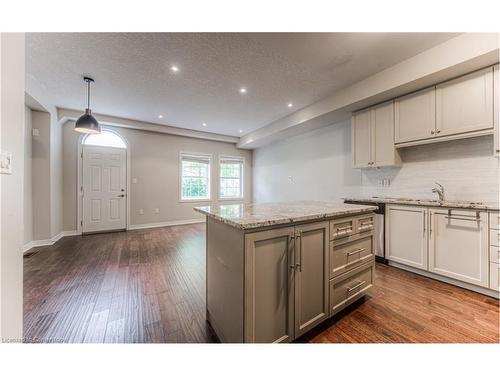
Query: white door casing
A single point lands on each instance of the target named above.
(104, 183)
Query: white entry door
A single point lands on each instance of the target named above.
(104, 189)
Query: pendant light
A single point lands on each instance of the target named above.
(88, 123)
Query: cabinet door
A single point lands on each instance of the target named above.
(458, 245)
(269, 292)
(415, 116)
(496, 107)
(465, 104)
(406, 235)
(361, 139)
(311, 276)
(383, 151)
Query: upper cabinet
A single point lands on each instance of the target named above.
(465, 104)
(415, 116)
(373, 137)
(458, 108)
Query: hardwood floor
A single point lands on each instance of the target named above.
(149, 286)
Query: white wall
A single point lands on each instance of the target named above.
(12, 81)
(155, 164)
(319, 163)
(28, 191)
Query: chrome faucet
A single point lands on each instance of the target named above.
(439, 190)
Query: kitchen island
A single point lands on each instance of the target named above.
(276, 270)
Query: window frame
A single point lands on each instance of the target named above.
(209, 175)
(107, 130)
(242, 178)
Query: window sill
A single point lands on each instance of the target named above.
(232, 198)
(195, 200)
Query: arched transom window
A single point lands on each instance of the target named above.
(105, 138)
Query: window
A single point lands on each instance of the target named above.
(231, 178)
(105, 138)
(195, 177)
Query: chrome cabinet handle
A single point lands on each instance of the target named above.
(292, 255)
(299, 249)
(360, 283)
(423, 222)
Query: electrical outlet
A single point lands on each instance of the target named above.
(141, 211)
(290, 179)
(157, 210)
(134, 180)
(35, 132)
(5, 162)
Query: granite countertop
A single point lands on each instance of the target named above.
(429, 202)
(257, 215)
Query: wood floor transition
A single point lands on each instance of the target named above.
(148, 286)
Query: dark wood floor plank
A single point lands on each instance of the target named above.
(149, 286)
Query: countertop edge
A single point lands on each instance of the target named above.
(275, 222)
(417, 202)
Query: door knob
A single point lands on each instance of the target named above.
(121, 196)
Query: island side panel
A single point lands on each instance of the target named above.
(224, 283)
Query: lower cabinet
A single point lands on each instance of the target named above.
(311, 275)
(286, 282)
(350, 286)
(450, 242)
(458, 245)
(406, 235)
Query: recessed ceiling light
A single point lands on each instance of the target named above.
(241, 131)
(174, 68)
(160, 116)
(290, 105)
(243, 90)
(204, 124)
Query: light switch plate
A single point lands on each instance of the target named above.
(5, 162)
(36, 132)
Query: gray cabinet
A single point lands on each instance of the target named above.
(373, 137)
(311, 275)
(286, 282)
(269, 286)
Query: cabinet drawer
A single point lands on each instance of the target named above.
(495, 254)
(494, 276)
(350, 254)
(342, 227)
(495, 237)
(495, 220)
(349, 287)
(365, 223)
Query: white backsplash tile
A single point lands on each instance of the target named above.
(466, 168)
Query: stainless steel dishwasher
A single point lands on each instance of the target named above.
(379, 227)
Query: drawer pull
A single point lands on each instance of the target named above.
(357, 251)
(365, 227)
(359, 284)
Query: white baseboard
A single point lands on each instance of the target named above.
(57, 237)
(474, 288)
(165, 224)
(51, 241)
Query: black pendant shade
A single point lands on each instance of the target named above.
(88, 123)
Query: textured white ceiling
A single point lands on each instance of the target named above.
(134, 80)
